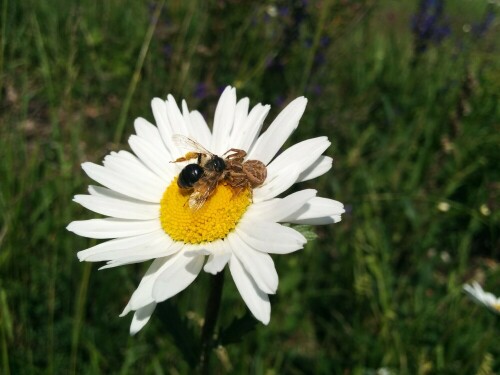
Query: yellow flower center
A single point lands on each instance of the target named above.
(214, 220)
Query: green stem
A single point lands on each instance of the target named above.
(211, 313)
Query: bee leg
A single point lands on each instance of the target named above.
(188, 156)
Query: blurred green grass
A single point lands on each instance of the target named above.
(381, 289)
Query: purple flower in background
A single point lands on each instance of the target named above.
(481, 28)
(316, 90)
(325, 41)
(167, 50)
(269, 61)
(279, 101)
(201, 90)
(429, 24)
(298, 13)
(151, 10)
(283, 11)
(348, 209)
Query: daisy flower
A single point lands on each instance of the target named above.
(479, 296)
(149, 217)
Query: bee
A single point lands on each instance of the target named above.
(209, 170)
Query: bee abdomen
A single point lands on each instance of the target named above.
(189, 175)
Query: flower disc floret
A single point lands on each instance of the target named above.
(214, 220)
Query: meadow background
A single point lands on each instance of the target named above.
(407, 91)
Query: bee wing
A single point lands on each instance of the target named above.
(203, 189)
(189, 144)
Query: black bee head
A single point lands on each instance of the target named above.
(189, 175)
(216, 164)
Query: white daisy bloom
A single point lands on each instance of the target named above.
(479, 296)
(149, 217)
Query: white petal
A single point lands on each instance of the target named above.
(318, 168)
(177, 265)
(126, 310)
(196, 130)
(223, 121)
(119, 206)
(259, 265)
(143, 295)
(200, 130)
(100, 191)
(325, 220)
(154, 160)
(164, 127)
(145, 129)
(175, 278)
(194, 250)
(121, 160)
(114, 249)
(298, 157)
(256, 300)
(115, 159)
(138, 255)
(317, 211)
(475, 292)
(240, 114)
(123, 184)
(220, 252)
(113, 228)
(480, 296)
(159, 108)
(207, 248)
(216, 263)
(278, 209)
(153, 252)
(186, 117)
(149, 132)
(274, 187)
(175, 117)
(141, 317)
(128, 165)
(285, 170)
(278, 132)
(269, 237)
(246, 134)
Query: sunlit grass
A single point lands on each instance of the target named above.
(380, 289)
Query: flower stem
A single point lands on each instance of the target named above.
(211, 313)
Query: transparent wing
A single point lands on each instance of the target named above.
(203, 189)
(189, 144)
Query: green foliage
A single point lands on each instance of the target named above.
(181, 331)
(415, 146)
(237, 329)
(307, 231)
